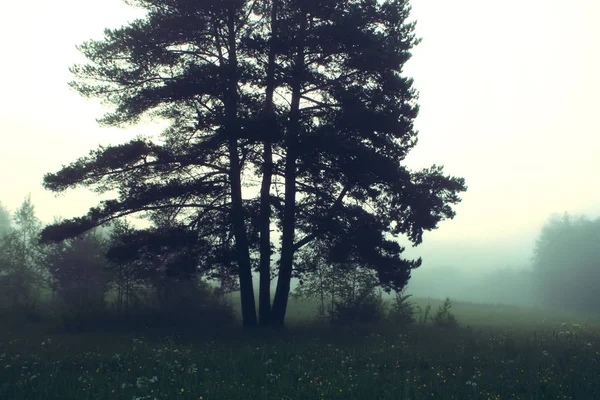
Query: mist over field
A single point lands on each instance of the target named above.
(299, 200)
(510, 149)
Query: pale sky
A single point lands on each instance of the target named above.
(510, 98)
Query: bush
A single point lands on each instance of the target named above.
(424, 317)
(182, 306)
(367, 311)
(402, 311)
(443, 317)
(191, 304)
(82, 315)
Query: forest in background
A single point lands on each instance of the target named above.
(80, 285)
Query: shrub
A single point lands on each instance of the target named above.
(77, 322)
(367, 311)
(402, 311)
(443, 317)
(193, 304)
(182, 306)
(423, 317)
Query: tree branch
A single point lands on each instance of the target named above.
(309, 238)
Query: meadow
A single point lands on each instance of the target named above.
(497, 352)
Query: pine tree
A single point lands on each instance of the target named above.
(307, 97)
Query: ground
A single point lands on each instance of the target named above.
(497, 353)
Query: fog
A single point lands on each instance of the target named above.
(509, 93)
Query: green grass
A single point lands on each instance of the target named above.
(493, 359)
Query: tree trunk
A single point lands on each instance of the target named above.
(237, 208)
(321, 292)
(264, 306)
(289, 218)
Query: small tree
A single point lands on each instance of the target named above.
(317, 280)
(403, 310)
(443, 317)
(424, 315)
(17, 281)
(22, 264)
(127, 276)
(346, 292)
(5, 223)
(79, 267)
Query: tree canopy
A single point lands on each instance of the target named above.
(292, 116)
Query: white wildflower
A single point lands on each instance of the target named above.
(272, 377)
(192, 369)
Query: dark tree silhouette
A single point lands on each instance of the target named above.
(79, 267)
(307, 96)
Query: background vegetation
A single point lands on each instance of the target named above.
(77, 325)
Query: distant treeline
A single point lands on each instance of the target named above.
(564, 273)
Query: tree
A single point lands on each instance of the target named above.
(22, 268)
(126, 275)
(345, 292)
(316, 106)
(5, 230)
(566, 267)
(28, 228)
(5, 224)
(79, 267)
(318, 279)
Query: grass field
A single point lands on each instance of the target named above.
(498, 353)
